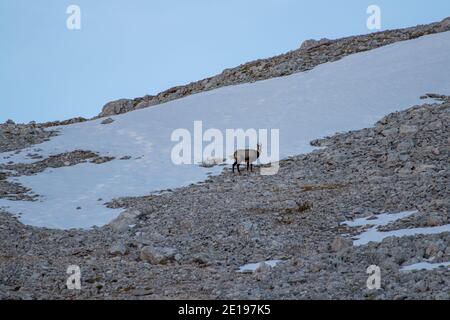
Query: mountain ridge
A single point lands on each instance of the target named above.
(305, 58)
(310, 54)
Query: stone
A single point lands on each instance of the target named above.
(107, 121)
(445, 24)
(407, 129)
(308, 44)
(389, 132)
(435, 151)
(431, 250)
(143, 104)
(403, 157)
(434, 126)
(263, 267)
(118, 249)
(433, 222)
(200, 259)
(158, 255)
(339, 244)
(425, 168)
(405, 145)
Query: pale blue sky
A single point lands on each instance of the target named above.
(129, 48)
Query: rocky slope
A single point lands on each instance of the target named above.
(310, 54)
(190, 242)
(17, 136)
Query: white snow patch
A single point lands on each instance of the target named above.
(425, 266)
(212, 162)
(252, 267)
(374, 235)
(379, 220)
(349, 94)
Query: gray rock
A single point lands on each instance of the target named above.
(308, 44)
(339, 244)
(431, 250)
(263, 267)
(107, 121)
(155, 255)
(118, 249)
(445, 25)
(124, 220)
(407, 129)
(389, 132)
(201, 259)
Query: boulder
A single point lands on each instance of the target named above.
(431, 250)
(263, 267)
(118, 249)
(339, 244)
(405, 129)
(155, 255)
(124, 220)
(107, 121)
(445, 24)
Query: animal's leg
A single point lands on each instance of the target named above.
(238, 168)
(248, 165)
(251, 167)
(234, 164)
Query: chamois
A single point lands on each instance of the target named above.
(246, 155)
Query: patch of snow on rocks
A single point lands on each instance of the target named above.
(260, 266)
(374, 235)
(425, 266)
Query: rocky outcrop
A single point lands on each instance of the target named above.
(444, 25)
(158, 255)
(310, 54)
(124, 220)
(16, 136)
(309, 44)
(62, 123)
(14, 191)
(118, 107)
